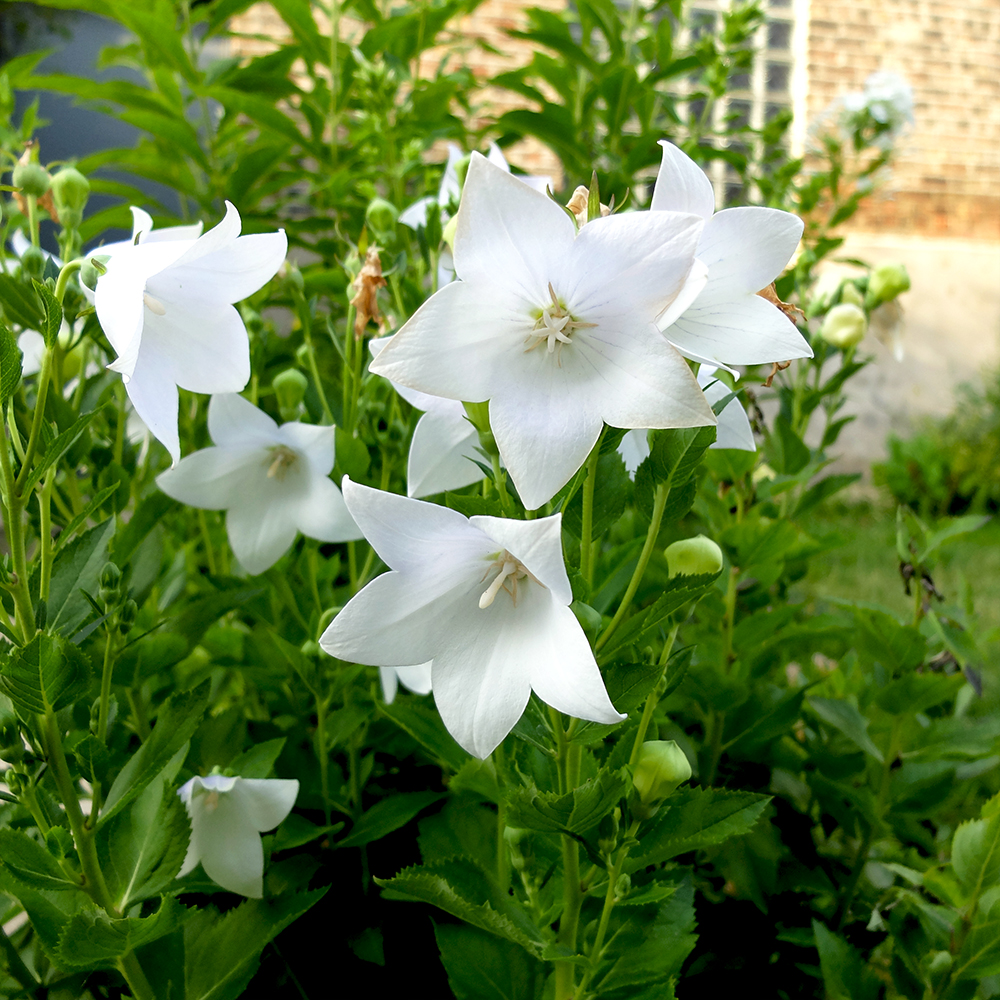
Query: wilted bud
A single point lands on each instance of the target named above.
(849, 293)
(70, 191)
(33, 263)
(289, 389)
(127, 616)
(662, 766)
(579, 204)
(366, 286)
(886, 282)
(111, 577)
(845, 326)
(381, 215)
(693, 557)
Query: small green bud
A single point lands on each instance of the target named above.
(289, 389)
(693, 557)
(519, 844)
(33, 263)
(662, 766)
(302, 355)
(110, 578)
(886, 282)
(381, 215)
(849, 293)
(607, 832)
(311, 649)
(845, 326)
(14, 781)
(31, 178)
(70, 191)
(127, 616)
(623, 885)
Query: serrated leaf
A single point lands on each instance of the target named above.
(460, 887)
(845, 975)
(45, 675)
(221, 953)
(55, 451)
(844, 716)
(31, 863)
(52, 314)
(20, 306)
(390, 814)
(93, 757)
(176, 721)
(425, 726)
(575, 812)
(975, 854)
(76, 571)
(695, 818)
(10, 365)
(93, 940)
(481, 966)
(92, 507)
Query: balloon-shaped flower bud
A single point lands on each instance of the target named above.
(849, 293)
(845, 326)
(693, 557)
(111, 577)
(127, 616)
(886, 282)
(31, 177)
(381, 215)
(662, 766)
(70, 191)
(33, 262)
(290, 389)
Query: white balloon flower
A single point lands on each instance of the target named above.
(272, 481)
(228, 815)
(744, 249)
(486, 600)
(166, 306)
(557, 329)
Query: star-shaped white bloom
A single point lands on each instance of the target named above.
(744, 249)
(733, 429)
(556, 329)
(228, 815)
(166, 306)
(272, 481)
(486, 600)
(443, 449)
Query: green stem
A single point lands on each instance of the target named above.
(32, 218)
(730, 618)
(323, 754)
(23, 613)
(207, 541)
(568, 762)
(653, 698)
(129, 967)
(45, 536)
(64, 275)
(36, 422)
(15, 434)
(314, 371)
(106, 673)
(659, 503)
(500, 481)
(717, 724)
(587, 530)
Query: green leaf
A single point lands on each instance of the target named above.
(258, 761)
(695, 818)
(844, 716)
(45, 675)
(460, 887)
(352, 454)
(20, 306)
(93, 940)
(55, 451)
(52, 314)
(611, 492)
(575, 812)
(980, 955)
(878, 636)
(473, 505)
(77, 570)
(786, 451)
(483, 967)
(148, 514)
(95, 504)
(176, 721)
(221, 953)
(142, 848)
(31, 863)
(975, 854)
(390, 814)
(914, 693)
(93, 757)
(10, 365)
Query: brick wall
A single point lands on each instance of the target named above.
(947, 179)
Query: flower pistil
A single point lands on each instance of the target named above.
(510, 572)
(555, 326)
(283, 459)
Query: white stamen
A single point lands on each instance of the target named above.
(155, 306)
(212, 801)
(510, 566)
(284, 459)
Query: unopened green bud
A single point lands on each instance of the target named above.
(662, 766)
(31, 178)
(849, 293)
(111, 577)
(845, 326)
(127, 616)
(693, 557)
(310, 648)
(290, 389)
(70, 191)
(381, 215)
(33, 263)
(623, 885)
(886, 282)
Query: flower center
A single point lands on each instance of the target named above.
(510, 571)
(154, 305)
(554, 326)
(211, 801)
(282, 459)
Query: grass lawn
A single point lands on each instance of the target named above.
(866, 568)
